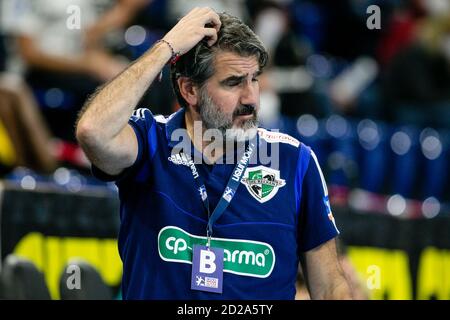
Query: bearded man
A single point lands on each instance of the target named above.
(195, 225)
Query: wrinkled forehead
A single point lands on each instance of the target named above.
(228, 63)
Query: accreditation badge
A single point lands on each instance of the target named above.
(207, 269)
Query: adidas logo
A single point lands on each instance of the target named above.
(180, 158)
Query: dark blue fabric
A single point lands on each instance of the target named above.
(156, 193)
(316, 224)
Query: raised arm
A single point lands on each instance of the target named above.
(103, 130)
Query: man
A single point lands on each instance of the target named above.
(180, 217)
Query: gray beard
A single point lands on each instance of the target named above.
(212, 118)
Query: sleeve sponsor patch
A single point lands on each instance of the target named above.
(272, 137)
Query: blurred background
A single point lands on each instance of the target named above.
(368, 88)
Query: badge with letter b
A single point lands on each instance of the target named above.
(207, 269)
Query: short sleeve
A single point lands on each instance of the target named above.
(316, 223)
(142, 122)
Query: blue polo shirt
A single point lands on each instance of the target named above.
(280, 209)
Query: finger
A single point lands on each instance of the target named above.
(212, 18)
(215, 19)
(211, 33)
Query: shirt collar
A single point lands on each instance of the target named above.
(175, 121)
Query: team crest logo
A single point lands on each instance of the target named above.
(262, 182)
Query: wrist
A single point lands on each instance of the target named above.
(174, 54)
(161, 51)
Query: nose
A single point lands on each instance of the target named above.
(250, 93)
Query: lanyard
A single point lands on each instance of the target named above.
(229, 192)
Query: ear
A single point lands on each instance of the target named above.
(188, 90)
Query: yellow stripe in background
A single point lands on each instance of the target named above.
(384, 273)
(433, 276)
(51, 254)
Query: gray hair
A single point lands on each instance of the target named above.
(198, 63)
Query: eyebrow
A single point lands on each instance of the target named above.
(239, 78)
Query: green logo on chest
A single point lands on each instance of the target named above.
(242, 257)
(262, 182)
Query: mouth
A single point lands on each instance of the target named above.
(245, 111)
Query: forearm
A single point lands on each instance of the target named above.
(108, 111)
(36, 58)
(338, 290)
(35, 130)
(56, 64)
(324, 275)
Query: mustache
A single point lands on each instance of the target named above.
(244, 109)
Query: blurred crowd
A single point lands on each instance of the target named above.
(361, 97)
(324, 61)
